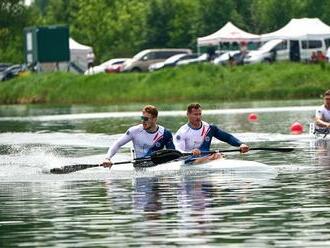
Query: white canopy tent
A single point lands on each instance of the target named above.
(304, 28)
(228, 33)
(78, 53)
(301, 34)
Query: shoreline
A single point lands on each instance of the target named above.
(192, 83)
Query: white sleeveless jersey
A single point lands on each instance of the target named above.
(323, 113)
(188, 138)
(144, 142)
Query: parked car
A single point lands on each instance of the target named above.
(225, 58)
(142, 60)
(172, 61)
(4, 66)
(202, 58)
(269, 52)
(116, 67)
(11, 72)
(105, 65)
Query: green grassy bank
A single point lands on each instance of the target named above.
(202, 82)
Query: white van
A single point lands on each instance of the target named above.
(307, 47)
(270, 51)
(279, 49)
(142, 60)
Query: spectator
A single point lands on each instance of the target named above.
(320, 56)
(314, 57)
(211, 53)
(90, 59)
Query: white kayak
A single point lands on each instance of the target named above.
(220, 165)
(229, 170)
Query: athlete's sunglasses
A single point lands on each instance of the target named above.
(144, 118)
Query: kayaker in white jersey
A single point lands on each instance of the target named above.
(146, 137)
(322, 115)
(196, 136)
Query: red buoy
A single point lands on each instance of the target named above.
(252, 117)
(296, 128)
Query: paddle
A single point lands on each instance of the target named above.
(158, 157)
(77, 167)
(274, 149)
(163, 156)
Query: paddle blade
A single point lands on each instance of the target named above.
(143, 164)
(72, 168)
(163, 156)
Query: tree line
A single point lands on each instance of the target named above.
(121, 28)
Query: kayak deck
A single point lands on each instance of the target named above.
(223, 165)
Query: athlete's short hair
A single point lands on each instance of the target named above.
(150, 109)
(192, 106)
(327, 93)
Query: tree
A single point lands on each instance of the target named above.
(128, 27)
(13, 18)
(171, 23)
(270, 15)
(317, 8)
(214, 14)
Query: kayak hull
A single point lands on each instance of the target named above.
(223, 165)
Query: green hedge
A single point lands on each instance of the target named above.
(199, 82)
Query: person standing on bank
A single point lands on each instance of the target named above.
(90, 59)
(147, 137)
(322, 115)
(196, 136)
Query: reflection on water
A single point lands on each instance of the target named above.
(322, 152)
(192, 210)
(102, 208)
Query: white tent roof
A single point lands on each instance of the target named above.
(228, 32)
(300, 29)
(74, 45)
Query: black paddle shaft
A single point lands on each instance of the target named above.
(274, 149)
(163, 156)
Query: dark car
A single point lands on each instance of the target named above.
(230, 58)
(11, 71)
(4, 66)
(172, 61)
(176, 58)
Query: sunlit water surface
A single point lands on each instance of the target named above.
(119, 208)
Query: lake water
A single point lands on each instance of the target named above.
(101, 208)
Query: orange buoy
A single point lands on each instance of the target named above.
(296, 128)
(252, 117)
